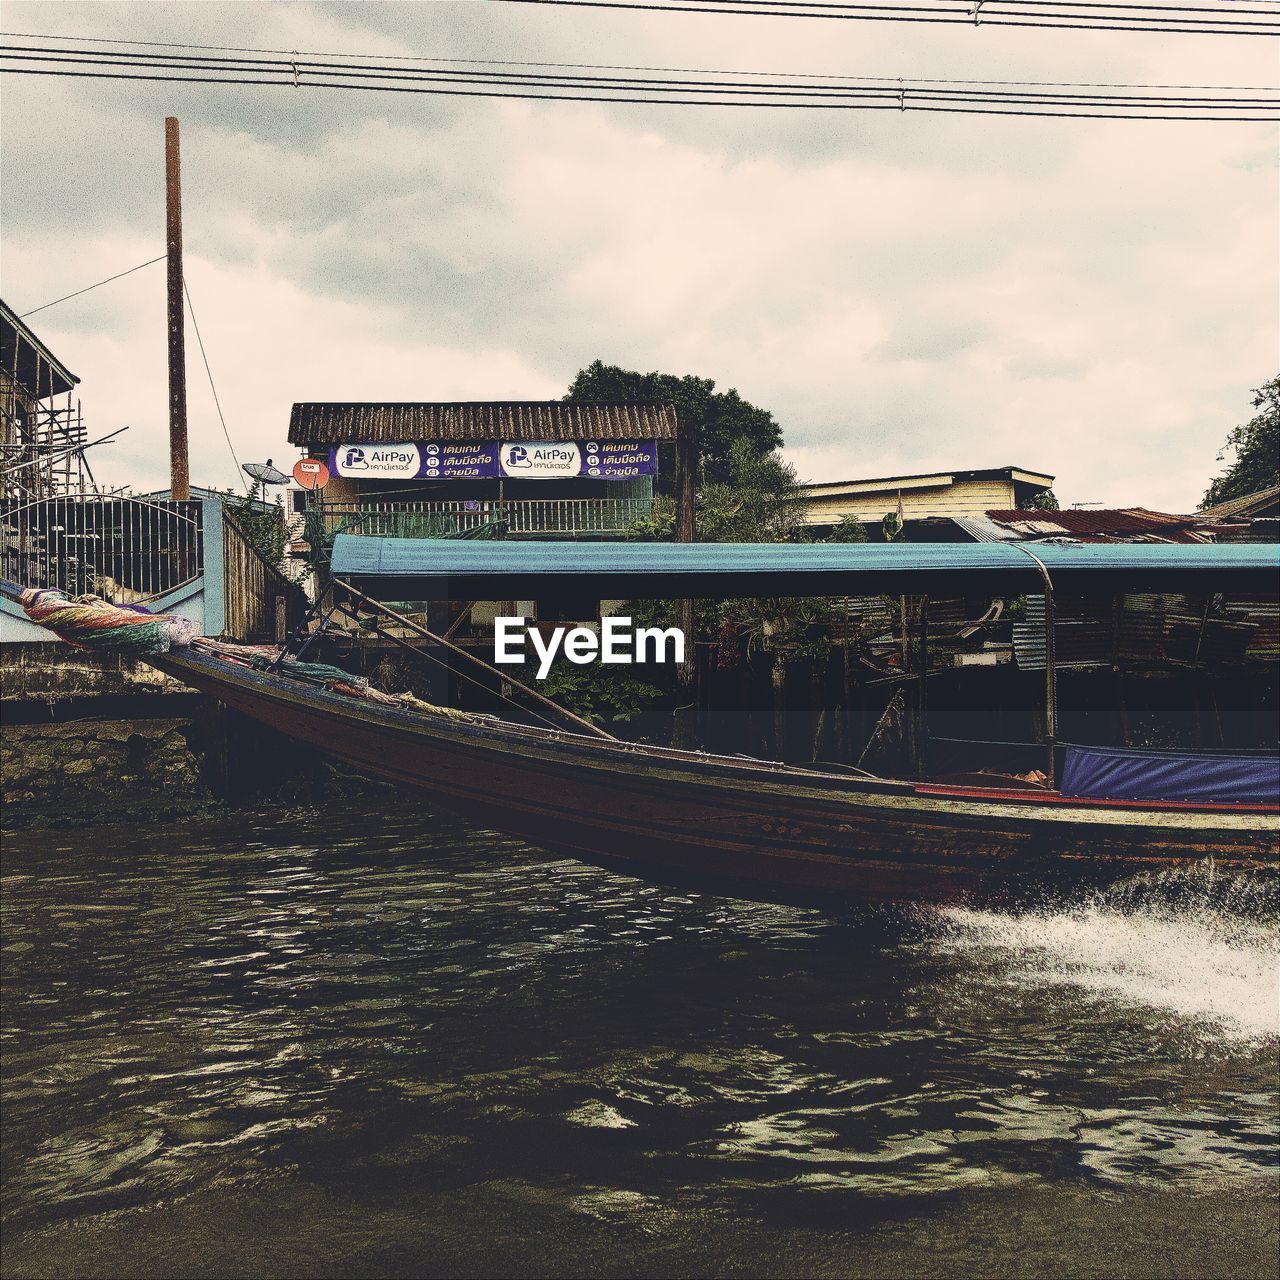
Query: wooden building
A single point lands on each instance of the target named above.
(41, 432)
(929, 496)
(552, 468)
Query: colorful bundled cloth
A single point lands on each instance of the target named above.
(89, 622)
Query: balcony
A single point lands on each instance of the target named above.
(531, 518)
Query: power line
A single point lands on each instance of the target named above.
(851, 86)
(990, 98)
(1065, 14)
(44, 306)
(292, 54)
(195, 324)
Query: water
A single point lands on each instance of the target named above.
(332, 1044)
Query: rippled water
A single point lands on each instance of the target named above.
(412, 1049)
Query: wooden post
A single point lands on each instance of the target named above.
(684, 732)
(845, 746)
(1050, 683)
(922, 698)
(1050, 666)
(179, 466)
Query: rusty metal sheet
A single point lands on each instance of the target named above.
(339, 422)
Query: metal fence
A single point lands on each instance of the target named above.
(126, 549)
(559, 517)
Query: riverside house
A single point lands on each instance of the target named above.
(525, 469)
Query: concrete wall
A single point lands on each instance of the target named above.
(99, 771)
(46, 671)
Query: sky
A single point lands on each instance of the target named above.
(905, 292)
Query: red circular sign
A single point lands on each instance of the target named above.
(311, 473)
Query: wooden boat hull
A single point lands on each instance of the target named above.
(744, 827)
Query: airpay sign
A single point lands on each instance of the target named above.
(376, 461)
(540, 460)
(491, 459)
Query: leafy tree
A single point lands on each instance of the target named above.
(1256, 446)
(599, 694)
(1045, 500)
(721, 418)
(759, 501)
(262, 521)
(847, 529)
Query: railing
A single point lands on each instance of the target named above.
(127, 549)
(521, 517)
(259, 603)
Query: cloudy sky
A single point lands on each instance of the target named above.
(1094, 299)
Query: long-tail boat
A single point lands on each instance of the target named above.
(754, 828)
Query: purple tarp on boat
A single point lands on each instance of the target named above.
(1113, 773)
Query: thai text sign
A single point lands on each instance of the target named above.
(491, 459)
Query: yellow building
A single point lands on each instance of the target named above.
(931, 496)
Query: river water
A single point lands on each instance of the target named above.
(348, 1043)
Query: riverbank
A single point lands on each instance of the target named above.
(357, 1041)
(289, 1228)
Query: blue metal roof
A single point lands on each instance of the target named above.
(431, 569)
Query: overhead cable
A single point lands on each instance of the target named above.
(678, 89)
(361, 59)
(1201, 19)
(44, 306)
(217, 404)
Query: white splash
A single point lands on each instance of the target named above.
(1200, 963)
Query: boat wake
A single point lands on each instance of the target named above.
(1204, 953)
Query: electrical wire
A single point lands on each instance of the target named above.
(1065, 14)
(292, 54)
(44, 306)
(632, 83)
(992, 98)
(195, 324)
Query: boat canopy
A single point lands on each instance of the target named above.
(457, 569)
(1126, 773)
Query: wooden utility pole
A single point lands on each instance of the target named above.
(684, 730)
(179, 466)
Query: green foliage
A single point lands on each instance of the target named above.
(1256, 448)
(1045, 500)
(600, 694)
(721, 418)
(760, 502)
(847, 529)
(262, 521)
(891, 526)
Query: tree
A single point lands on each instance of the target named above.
(1045, 500)
(847, 529)
(721, 418)
(760, 500)
(1256, 446)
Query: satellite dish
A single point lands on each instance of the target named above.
(265, 473)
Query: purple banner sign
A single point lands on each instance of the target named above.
(490, 459)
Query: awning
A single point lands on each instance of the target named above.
(454, 569)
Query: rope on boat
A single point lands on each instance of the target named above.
(89, 622)
(266, 658)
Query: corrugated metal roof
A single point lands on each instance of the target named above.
(1248, 505)
(1093, 525)
(927, 479)
(38, 369)
(423, 569)
(984, 529)
(1149, 628)
(403, 423)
